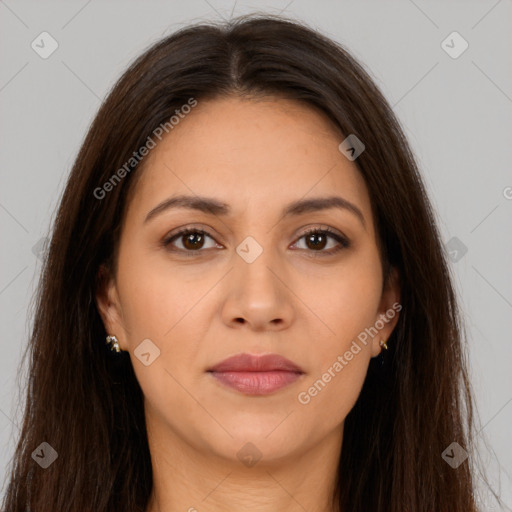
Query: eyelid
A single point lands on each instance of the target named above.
(182, 231)
(323, 228)
(194, 228)
(342, 240)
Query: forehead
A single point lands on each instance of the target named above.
(251, 153)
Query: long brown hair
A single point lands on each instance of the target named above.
(88, 405)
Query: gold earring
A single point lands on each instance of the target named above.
(383, 344)
(114, 343)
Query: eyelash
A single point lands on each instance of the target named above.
(342, 241)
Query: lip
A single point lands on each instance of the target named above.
(256, 374)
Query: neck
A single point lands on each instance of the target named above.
(186, 478)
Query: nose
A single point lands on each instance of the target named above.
(259, 295)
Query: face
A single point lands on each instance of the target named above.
(262, 270)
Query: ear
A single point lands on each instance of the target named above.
(108, 304)
(389, 311)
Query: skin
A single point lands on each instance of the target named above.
(294, 300)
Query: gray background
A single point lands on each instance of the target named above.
(456, 114)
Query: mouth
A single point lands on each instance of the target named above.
(256, 375)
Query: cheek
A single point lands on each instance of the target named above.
(173, 310)
(163, 307)
(331, 395)
(349, 300)
(339, 364)
(155, 297)
(348, 307)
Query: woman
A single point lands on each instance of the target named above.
(245, 304)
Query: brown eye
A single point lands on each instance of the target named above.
(193, 241)
(188, 241)
(316, 240)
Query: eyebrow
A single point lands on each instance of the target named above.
(214, 207)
